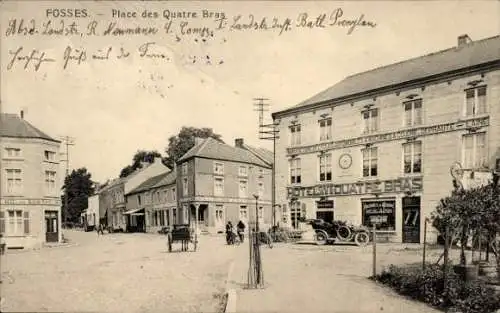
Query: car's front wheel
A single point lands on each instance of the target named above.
(321, 237)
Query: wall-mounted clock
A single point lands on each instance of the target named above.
(345, 161)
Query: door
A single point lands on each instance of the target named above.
(243, 216)
(219, 219)
(411, 220)
(326, 216)
(51, 226)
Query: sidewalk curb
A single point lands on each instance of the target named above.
(230, 292)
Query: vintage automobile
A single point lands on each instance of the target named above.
(339, 231)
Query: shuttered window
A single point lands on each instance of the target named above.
(2, 222)
(26, 222)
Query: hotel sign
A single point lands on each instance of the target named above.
(407, 184)
(403, 134)
(30, 201)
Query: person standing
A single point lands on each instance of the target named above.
(241, 230)
(100, 229)
(229, 233)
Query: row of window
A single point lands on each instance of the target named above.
(242, 188)
(381, 213)
(157, 197)
(218, 169)
(475, 104)
(14, 181)
(161, 218)
(474, 155)
(16, 153)
(15, 222)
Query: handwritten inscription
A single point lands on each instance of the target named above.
(71, 56)
(201, 27)
(185, 23)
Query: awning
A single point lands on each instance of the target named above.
(133, 211)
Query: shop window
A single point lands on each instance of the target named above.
(381, 213)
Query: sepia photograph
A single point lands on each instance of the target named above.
(247, 156)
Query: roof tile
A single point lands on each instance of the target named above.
(449, 60)
(12, 125)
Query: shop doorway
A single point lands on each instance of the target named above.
(411, 220)
(51, 226)
(326, 216)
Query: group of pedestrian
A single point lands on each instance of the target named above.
(231, 236)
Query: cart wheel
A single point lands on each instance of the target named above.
(361, 239)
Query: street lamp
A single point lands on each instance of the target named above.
(256, 213)
(255, 274)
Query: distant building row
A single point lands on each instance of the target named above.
(213, 183)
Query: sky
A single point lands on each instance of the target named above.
(114, 107)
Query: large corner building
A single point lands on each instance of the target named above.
(377, 147)
(30, 206)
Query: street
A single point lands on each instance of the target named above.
(135, 273)
(310, 278)
(116, 273)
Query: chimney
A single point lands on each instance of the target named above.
(463, 40)
(22, 114)
(238, 142)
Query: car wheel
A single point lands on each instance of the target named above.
(321, 237)
(362, 239)
(344, 233)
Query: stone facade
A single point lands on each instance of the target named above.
(220, 188)
(383, 157)
(30, 205)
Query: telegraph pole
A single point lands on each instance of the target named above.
(68, 141)
(268, 132)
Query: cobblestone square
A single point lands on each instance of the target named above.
(116, 273)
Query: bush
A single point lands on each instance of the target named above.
(427, 286)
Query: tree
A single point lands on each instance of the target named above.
(470, 210)
(181, 143)
(139, 157)
(78, 186)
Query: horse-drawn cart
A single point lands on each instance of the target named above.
(184, 234)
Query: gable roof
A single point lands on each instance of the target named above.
(155, 182)
(264, 154)
(12, 125)
(213, 149)
(475, 53)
